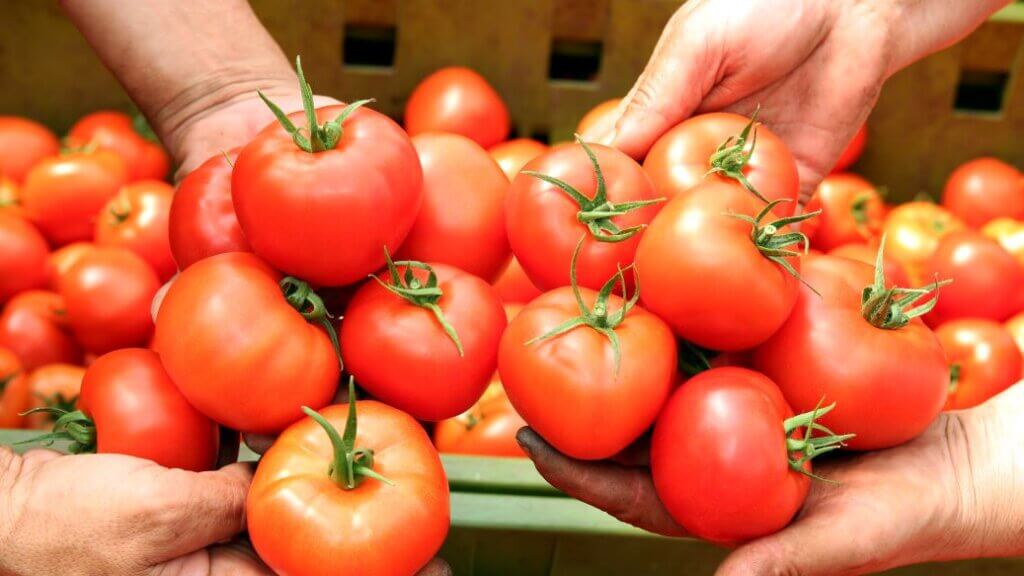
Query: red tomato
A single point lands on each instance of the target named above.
(987, 281)
(325, 216)
(601, 117)
(123, 384)
(586, 396)
(462, 220)
(304, 520)
(513, 285)
(64, 195)
(894, 376)
(62, 259)
(895, 275)
(514, 154)
(545, 223)
(1010, 235)
(851, 211)
(202, 219)
(137, 219)
(398, 349)
(460, 101)
(107, 294)
(14, 391)
(1015, 326)
(912, 234)
(10, 198)
(113, 131)
(23, 253)
(238, 350)
(53, 386)
(985, 189)
(854, 149)
(33, 325)
(703, 273)
(983, 358)
(487, 429)
(754, 483)
(682, 157)
(23, 144)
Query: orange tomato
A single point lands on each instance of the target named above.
(53, 386)
(14, 397)
(23, 143)
(913, 232)
(114, 131)
(487, 429)
(514, 154)
(984, 189)
(23, 253)
(984, 360)
(62, 259)
(513, 285)
(851, 211)
(138, 219)
(1009, 233)
(600, 117)
(34, 326)
(10, 198)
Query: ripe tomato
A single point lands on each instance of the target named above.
(333, 503)
(462, 220)
(912, 232)
(1010, 235)
(10, 198)
(137, 219)
(511, 156)
(14, 392)
(64, 195)
(460, 101)
(360, 190)
(987, 281)
(62, 259)
(754, 483)
(23, 144)
(612, 200)
(983, 359)
(682, 158)
(202, 218)
(487, 429)
(432, 354)
(34, 326)
(53, 386)
(107, 294)
(712, 279)
(513, 285)
(23, 253)
(601, 117)
(114, 131)
(894, 377)
(611, 361)
(854, 148)
(1015, 326)
(984, 189)
(895, 275)
(851, 211)
(238, 347)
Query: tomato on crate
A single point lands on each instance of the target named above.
(22, 257)
(460, 101)
(487, 429)
(987, 281)
(52, 386)
(15, 397)
(853, 150)
(118, 133)
(512, 155)
(913, 231)
(984, 189)
(137, 219)
(34, 326)
(23, 144)
(851, 211)
(983, 360)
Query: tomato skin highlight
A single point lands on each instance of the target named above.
(14, 391)
(984, 189)
(512, 155)
(137, 219)
(719, 458)
(1015, 326)
(139, 411)
(400, 353)
(487, 429)
(1010, 235)
(851, 211)
(853, 151)
(33, 325)
(113, 131)
(23, 144)
(62, 259)
(325, 217)
(22, 259)
(237, 350)
(303, 524)
(460, 101)
(988, 282)
(912, 234)
(987, 359)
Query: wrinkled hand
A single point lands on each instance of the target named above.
(949, 494)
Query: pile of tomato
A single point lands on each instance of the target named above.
(471, 285)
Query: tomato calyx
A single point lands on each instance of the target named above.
(74, 426)
(731, 156)
(954, 378)
(423, 294)
(859, 210)
(802, 450)
(773, 245)
(597, 213)
(120, 211)
(351, 465)
(308, 303)
(321, 137)
(893, 308)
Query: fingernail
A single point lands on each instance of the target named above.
(525, 440)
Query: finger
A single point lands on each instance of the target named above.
(436, 567)
(625, 493)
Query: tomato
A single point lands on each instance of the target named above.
(64, 195)
(430, 355)
(460, 101)
(601, 117)
(325, 216)
(487, 429)
(545, 222)
(53, 386)
(107, 294)
(114, 131)
(34, 326)
(893, 377)
(702, 271)
(1010, 235)
(137, 219)
(23, 253)
(682, 158)
(851, 211)
(912, 233)
(511, 156)
(728, 457)
(10, 198)
(895, 275)
(513, 285)
(239, 350)
(987, 281)
(983, 358)
(23, 144)
(852, 152)
(202, 218)
(984, 189)
(462, 220)
(1015, 326)
(62, 259)
(373, 503)
(14, 392)
(588, 371)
